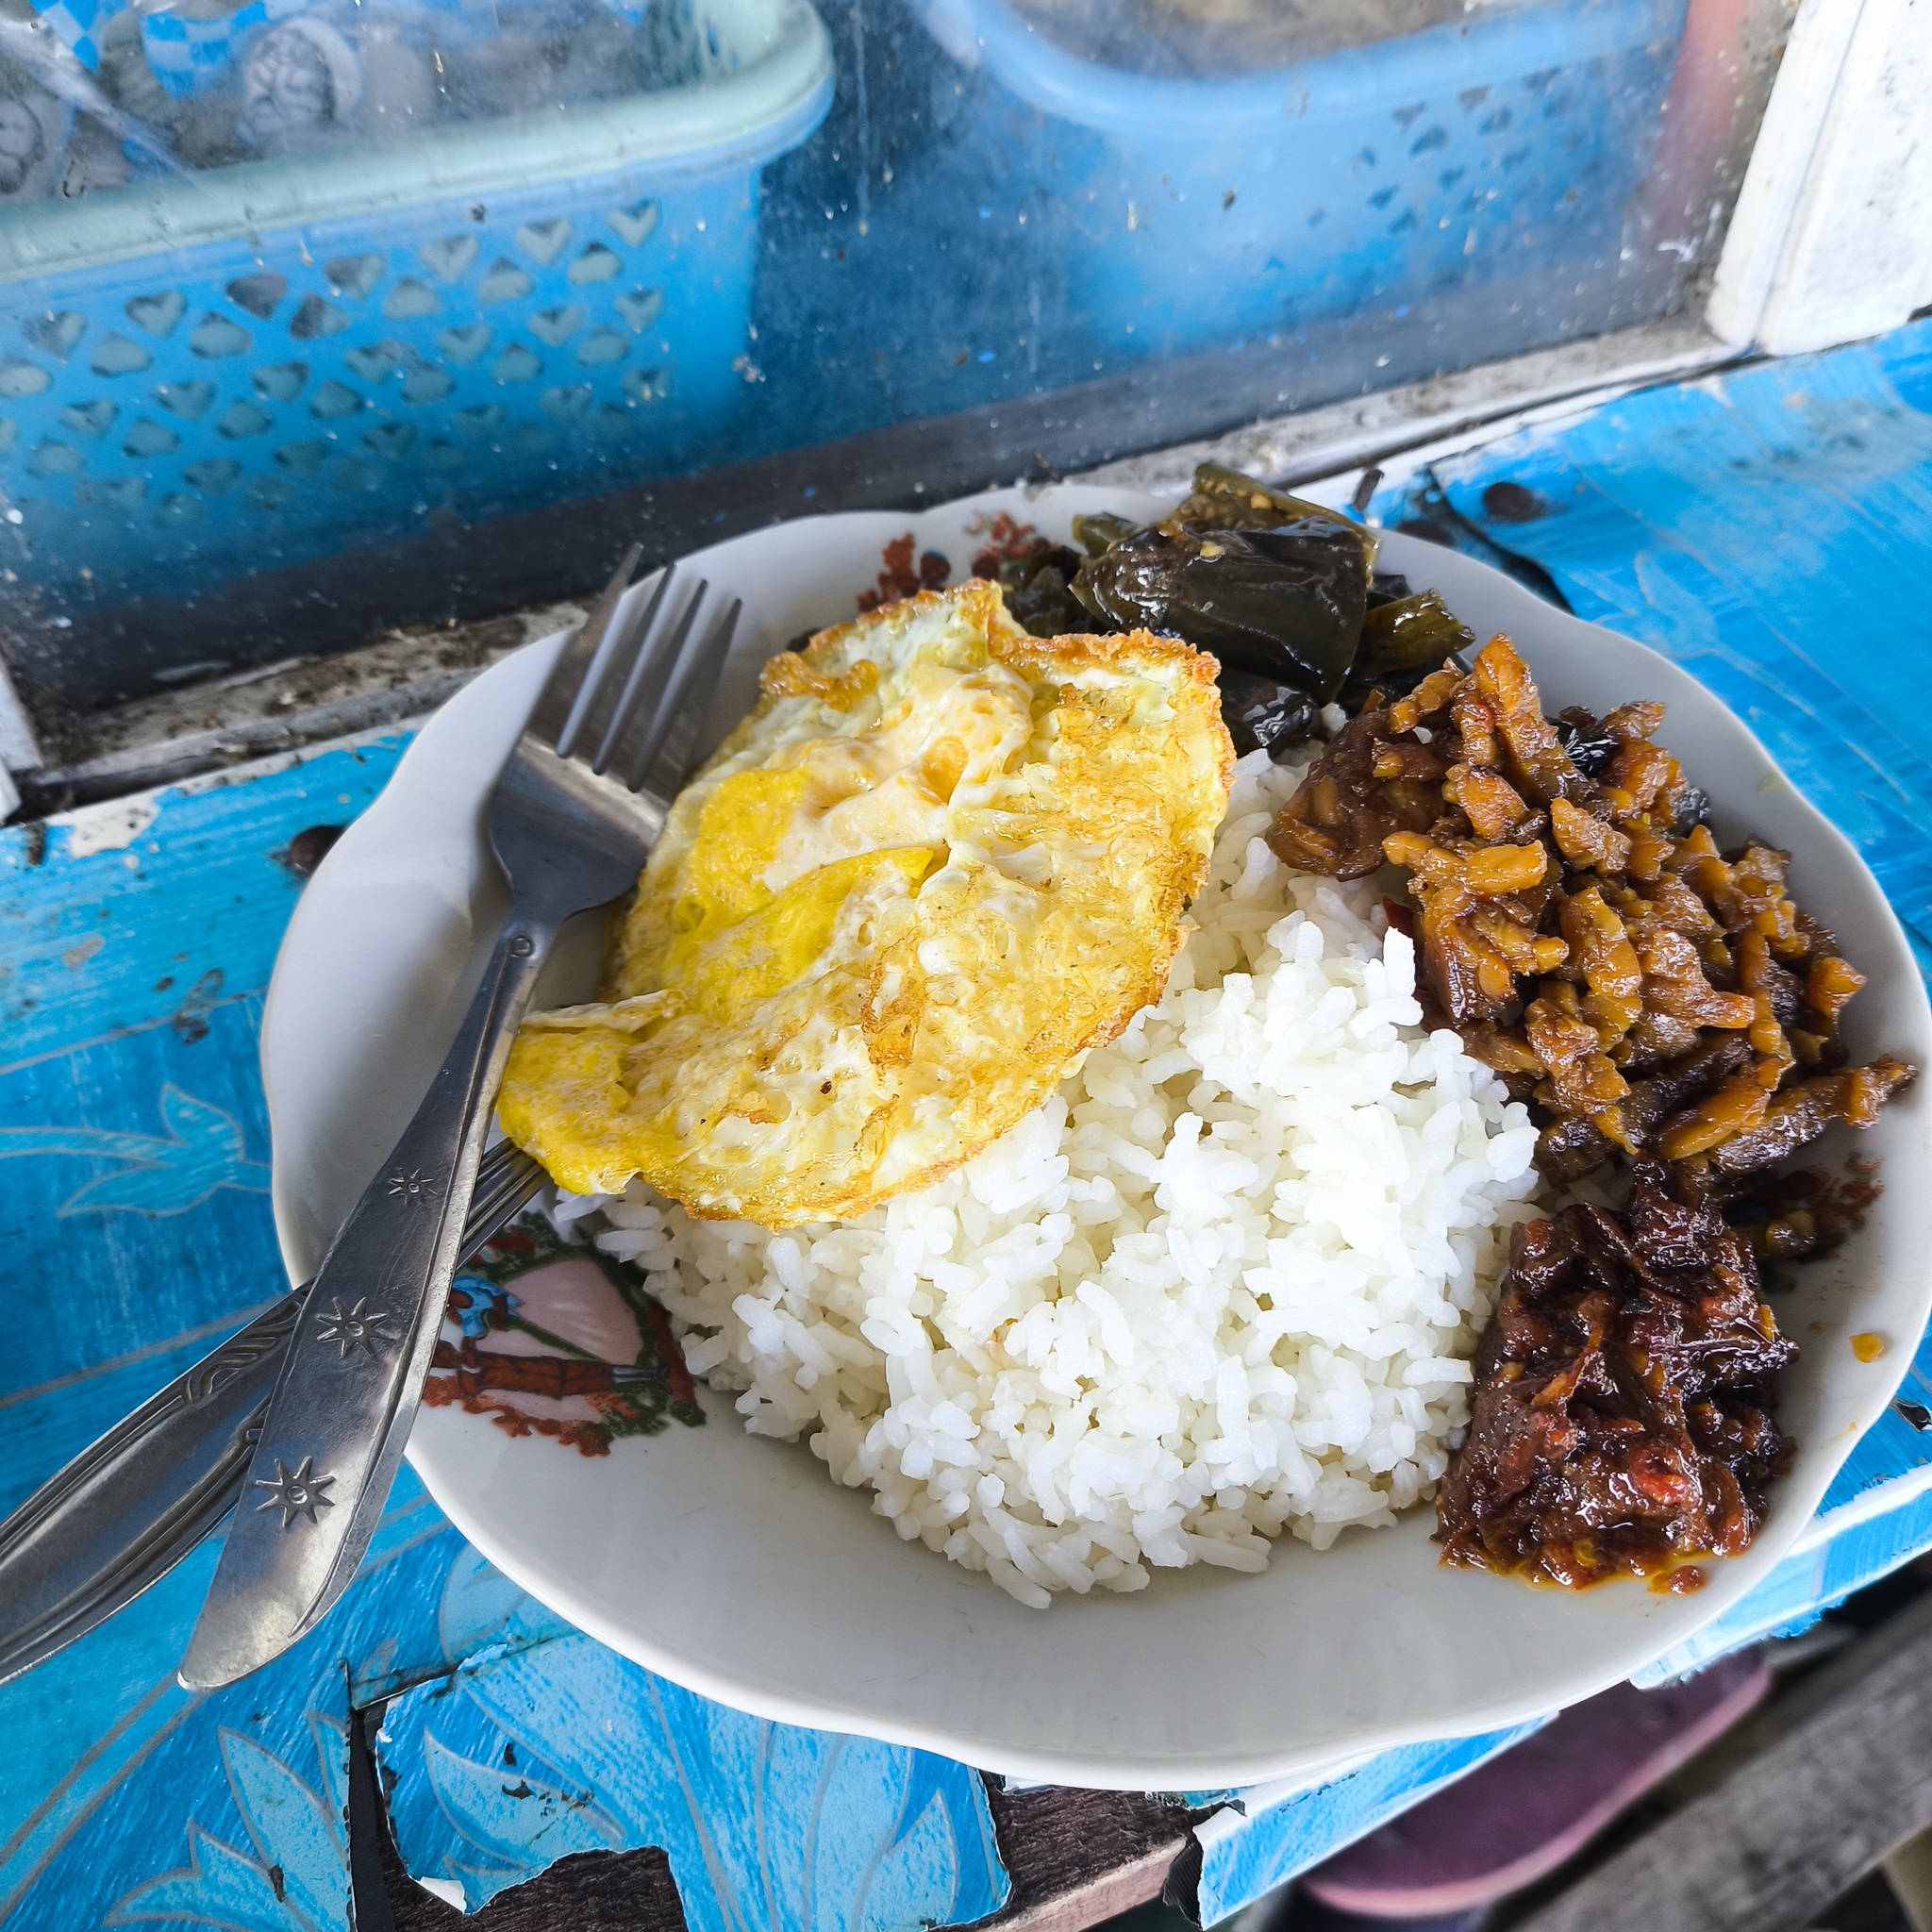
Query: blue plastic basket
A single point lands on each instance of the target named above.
(278, 361)
(1504, 145)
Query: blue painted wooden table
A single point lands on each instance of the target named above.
(1771, 530)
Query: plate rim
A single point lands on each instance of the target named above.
(1197, 1771)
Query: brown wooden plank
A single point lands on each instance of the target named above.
(1843, 1774)
(593, 1891)
(1077, 1857)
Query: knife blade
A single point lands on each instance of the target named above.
(132, 1504)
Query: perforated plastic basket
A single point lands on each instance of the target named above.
(277, 362)
(1505, 145)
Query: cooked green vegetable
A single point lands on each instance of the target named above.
(1223, 499)
(1262, 715)
(1269, 584)
(1404, 639)
(1098, 534)
(1039, 591)
(1413, 631)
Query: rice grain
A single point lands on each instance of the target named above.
(1223, 1285)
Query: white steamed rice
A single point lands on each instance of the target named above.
(1225, 1283)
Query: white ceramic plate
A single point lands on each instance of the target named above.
(737, 1568)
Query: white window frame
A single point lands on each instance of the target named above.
(1832, 237)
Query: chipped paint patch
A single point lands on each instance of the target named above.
(109, 827)
(76, 955)
(387, 741)
(193, 893)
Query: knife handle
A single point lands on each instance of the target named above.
(130, 1506)
(341, 1410)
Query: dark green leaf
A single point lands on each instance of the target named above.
(1419, 629)
(1262, 715)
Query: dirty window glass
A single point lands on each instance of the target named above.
(464, 291)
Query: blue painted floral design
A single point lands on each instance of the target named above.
(295, 1876)
(202, 1151)
(537, 1749)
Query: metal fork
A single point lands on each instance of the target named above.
(573, 816)
(115, 1520)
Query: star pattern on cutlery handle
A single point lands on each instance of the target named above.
(362, 1327)
(414, 1186)
(297, 1492)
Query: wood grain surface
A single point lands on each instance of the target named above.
(593, 1892)
(1827, 1781)
(1076, 1858)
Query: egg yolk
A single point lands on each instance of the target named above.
(780, 848)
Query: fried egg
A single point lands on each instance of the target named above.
(940, 861)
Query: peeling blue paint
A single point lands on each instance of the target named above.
(1764, 528)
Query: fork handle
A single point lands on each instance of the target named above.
(343, 1405)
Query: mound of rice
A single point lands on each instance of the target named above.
(1225, 1284)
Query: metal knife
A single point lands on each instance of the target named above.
(128, 1508)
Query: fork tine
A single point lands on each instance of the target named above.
(650, 668)
(500, 1183)
(551, 715)
(495, 1159)
(685, 706)
(628, 648)
(604, 675)
(645, 726)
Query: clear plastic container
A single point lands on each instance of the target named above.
(210, 371)
(1502, 143)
